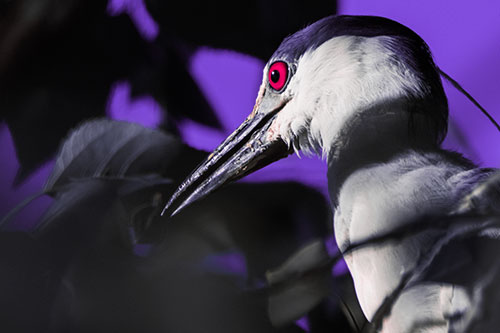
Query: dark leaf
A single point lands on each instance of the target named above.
(59, 63)
(118, 294)
(89, 199)
(267, 222)
(306, 259)
(300, 284)
(112, 148)
(76, 210)
(257, 28)
(297, 298)
(90, 214)
(169, 81)
(184, 98)
(25, 284)
(167, 290)
(272, 220)
(24, 18)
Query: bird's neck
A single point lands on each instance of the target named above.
(375, 138)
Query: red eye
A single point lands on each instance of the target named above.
(277, 75)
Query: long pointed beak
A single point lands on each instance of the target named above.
(246, 150)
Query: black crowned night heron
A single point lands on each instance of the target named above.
(364, 93)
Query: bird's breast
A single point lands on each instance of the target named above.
(374, 201)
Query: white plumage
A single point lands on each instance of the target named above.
(334, 84)
(365, 94)
(349, 101)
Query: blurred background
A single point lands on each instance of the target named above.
(192, 69)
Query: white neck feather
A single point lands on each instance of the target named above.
(345, 79)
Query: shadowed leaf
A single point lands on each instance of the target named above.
(57, 64)
(170, 289)
(118, 149)
(300, 284)
(89, 199)
(25, 284)
(76, 206)
(257, 28)
(168, 80)
(304, 260)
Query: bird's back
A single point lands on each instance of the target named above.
(380, 197)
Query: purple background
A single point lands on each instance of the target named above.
(463, 36)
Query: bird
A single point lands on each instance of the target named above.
(364, 93)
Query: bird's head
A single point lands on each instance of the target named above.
(339, 78)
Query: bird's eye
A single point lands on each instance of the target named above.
(278, 73)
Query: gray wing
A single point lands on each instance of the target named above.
(459, 290)
(470, 263)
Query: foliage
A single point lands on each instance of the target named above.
(103, 241)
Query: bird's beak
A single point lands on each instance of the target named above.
(247, 149)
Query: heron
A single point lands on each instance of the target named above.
(364, 93)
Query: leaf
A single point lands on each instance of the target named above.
(57, 64)
(101, 148)
(300, 284)
(112, 148)
(25, 284)
(20, 206)
(169, 81)
(298, 298)
(174, 291)
(80, 199)
(94, 195)
(282, 217)
(255, 31)
(306, 259)
(87, 213)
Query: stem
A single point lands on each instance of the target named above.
(20, 206)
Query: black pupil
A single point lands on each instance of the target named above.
(275, 76)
